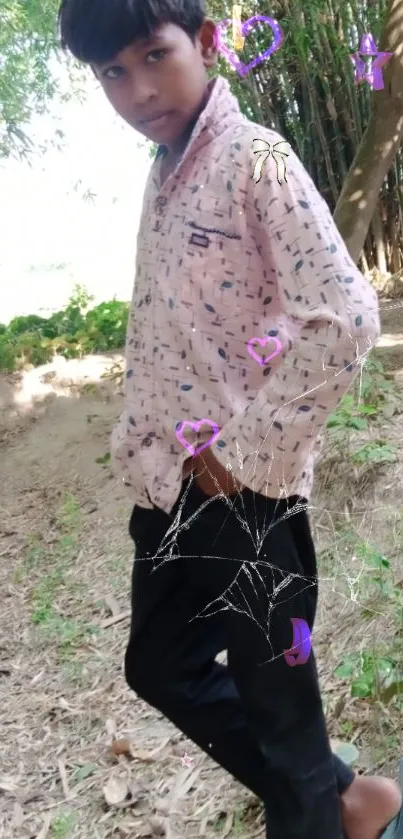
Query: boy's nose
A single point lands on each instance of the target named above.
(142, 95)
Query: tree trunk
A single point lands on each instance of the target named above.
(382, 138)
(379, 242)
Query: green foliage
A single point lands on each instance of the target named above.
(84, 772)
(350, 415)
(27, 42)
(374, 673)
(104, 460)
(63, 825)
(72, 332)
(29, 53)
(375, 397)
(375, 452)
(368, 672)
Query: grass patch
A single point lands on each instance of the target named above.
(374, 670)
(56, 585)
(374, 396)
(63, 826)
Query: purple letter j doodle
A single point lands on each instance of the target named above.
(243, 69)
(301, 643)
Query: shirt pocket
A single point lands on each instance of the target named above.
(210, 268)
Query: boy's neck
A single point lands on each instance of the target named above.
(178, 147)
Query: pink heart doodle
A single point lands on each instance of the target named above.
(243, 69)
(195, 426)
(262, 342)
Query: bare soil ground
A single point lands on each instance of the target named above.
(65, 582)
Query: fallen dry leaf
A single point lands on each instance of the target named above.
(112, 604)
(122, 747)
(122, 616)
(18, 814)
(115, 791)
(228, 825)
(121, 793)
(8, 784)
(159, 827)
(110, 726)
(46, 826)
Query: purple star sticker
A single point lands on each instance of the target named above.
(374, 75)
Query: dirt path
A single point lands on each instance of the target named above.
(65, 576)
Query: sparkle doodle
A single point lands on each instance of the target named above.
(238, 65)
(263, 342)
(265, 149)
(301, 643)
(373, 75)
(195, 426)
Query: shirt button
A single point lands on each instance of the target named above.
(147, 442)
(160, 205)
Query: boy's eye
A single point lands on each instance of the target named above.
(156, 56)
(113, 72)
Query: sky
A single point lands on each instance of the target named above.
(51, 238)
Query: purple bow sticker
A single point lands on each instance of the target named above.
(263, 342)
(241, 68)
(301, 643)
(195, 426)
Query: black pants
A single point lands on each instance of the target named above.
(231, 580)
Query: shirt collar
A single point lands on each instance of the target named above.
(222, 110)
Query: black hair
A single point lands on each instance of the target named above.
(96, 30)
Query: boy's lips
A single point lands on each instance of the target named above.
(156, 121)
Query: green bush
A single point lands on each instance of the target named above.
(72, 332)
(26, 323)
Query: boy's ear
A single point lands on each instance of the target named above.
(207, 38)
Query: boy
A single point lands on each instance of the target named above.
(225, 264)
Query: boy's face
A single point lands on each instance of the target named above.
(158, 85)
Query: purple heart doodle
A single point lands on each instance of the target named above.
(301, 643)
(262, 342)
(241, 68)
(195, 426)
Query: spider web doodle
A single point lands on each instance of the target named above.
(235, 597)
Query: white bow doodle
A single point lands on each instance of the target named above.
(265, 150)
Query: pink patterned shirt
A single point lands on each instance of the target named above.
(222, 259)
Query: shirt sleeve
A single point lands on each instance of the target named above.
(336, 311)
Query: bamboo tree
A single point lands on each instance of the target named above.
(308, 93)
